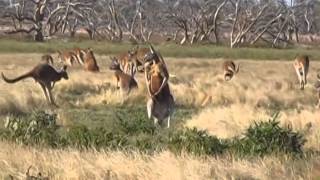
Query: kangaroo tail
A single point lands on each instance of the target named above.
(7, 80)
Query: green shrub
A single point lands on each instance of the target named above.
(268, 137)
(196, 142)
(139, 133)
(37, 128)
(82, 137)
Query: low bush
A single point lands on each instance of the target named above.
(196, 142)
(138, 133)
(263, 138)
(37, 128)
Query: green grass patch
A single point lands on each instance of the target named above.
(168, 50)
(136, 132)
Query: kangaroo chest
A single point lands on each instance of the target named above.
(155, 83)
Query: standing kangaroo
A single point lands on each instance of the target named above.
(301, 65)
(45, 75)
(126, 81)
(161, 103)
(90, 62)
(317, 86)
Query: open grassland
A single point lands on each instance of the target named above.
(73, 164)
(168, 49)
(260, 89)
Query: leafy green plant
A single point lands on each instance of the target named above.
(37, 128)
(139, 133)
(263, 138)
(82, 137)
(195, 141)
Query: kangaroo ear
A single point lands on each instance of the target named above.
(64, 67)
(152, 49)
(58, 51)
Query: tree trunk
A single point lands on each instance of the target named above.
(38, 36)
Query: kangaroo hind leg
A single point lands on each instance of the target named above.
(50, 95)
(45, 92)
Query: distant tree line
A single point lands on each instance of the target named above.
(238, 22)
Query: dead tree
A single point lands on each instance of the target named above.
(243, 21)
(68, 16)
(206, 21)
(28, 22)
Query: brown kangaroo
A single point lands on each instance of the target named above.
(79, 53)
(90, 62)
(317, 86)
(126, 81)
(127, 63)
(47, 59)
(67, 57)
(138, 56)
(160, 104)
(301, 65)
(45, 75)
(229, 70)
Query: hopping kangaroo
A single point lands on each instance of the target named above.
(229, 70)
(47, 59)
(90, 62)
(126, 81)
(45, 75)
(161, 103)
(301, 65)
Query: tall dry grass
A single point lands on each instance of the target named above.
(72, 164)
(259, 89)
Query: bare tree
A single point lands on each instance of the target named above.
(30, 20)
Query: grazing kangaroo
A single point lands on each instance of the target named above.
(126, 81)
(160, 104)
(229, 70)
(301, 65)
(47, 59)
(45, 75)
(90, 62)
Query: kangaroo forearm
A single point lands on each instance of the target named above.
(164, 82)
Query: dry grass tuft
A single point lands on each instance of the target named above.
(72, 164)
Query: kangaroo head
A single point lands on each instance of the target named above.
(151, 56)
(131, 54)
(63, 72)
(114, 64)
(88, 51)
(133, 51)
